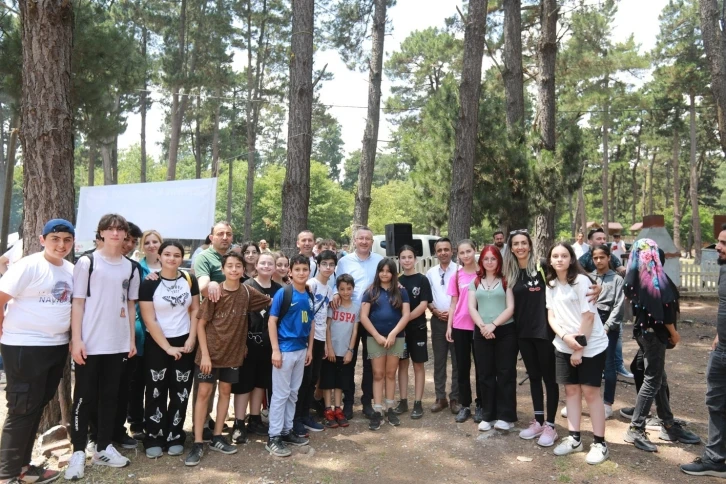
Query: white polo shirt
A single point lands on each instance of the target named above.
(439, 280)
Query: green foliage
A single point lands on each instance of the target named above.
(388, 167)
(396, 202)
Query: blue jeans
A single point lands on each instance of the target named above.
(716, 403)
(611, 364)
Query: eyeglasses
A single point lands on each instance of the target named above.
(519, 231)
(256, 337)
(327, 265)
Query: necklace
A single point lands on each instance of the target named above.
(169, 288)
(490, 285)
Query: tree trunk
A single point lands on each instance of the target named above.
(651, 208)
(546, 107)
(144, 42)
(634, 175)
(462, 173)
(714, 43)
(46, 132)
(8, 190)
(605, 161)
(178, 104)
(296, 187)
(676, 188)
(583, 208)
(91, 162)
(512, 73)
(233, 139)
(114, 160)
(695, 216)
(230, 184)
(215, 139)
(198, 136)
(107, 162)
(370, 136)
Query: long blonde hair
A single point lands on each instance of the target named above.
(511, 263)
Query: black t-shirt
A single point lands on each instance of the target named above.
(419, 289)
(257, 320)
(530, 307)
(643, 320)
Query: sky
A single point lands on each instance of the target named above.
(350, 88)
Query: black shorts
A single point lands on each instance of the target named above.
(336, 375)
(589, 372)
(226, 375)
(416, 343)
(256, 371)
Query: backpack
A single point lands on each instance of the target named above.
(287, 300)
(134, 266)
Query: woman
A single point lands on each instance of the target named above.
(282, 269)
(251, 252)
(169, 304)
(491, 306)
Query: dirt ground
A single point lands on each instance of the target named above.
(435, 449)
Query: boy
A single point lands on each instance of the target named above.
(222, 336)
(34, 344)
(342, 334)
(322, 294)
(105, 290)
(292, 351)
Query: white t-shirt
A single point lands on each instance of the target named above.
(105, 329)
(323, 295)
(171, 299)
(569, 302)
(39, 314)
(435, 275)
(580, 249)
(618, 249)
(14, 253)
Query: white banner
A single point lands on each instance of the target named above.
(182, 209)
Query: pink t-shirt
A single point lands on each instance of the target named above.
(462, 319)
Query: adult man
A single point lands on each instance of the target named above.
(595, 238)
(499, 241)
(439, 277)
(713, 461)
(306, 244)
(618, 246)
(361, 265)
(34, 343)
(580, 247)
(264, 249)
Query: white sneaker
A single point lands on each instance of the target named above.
(568, 446)
(598, 454)
(563, 412)
(110, 457)
(608, 411)
(76, 466)
(502, 425)
(485, 426)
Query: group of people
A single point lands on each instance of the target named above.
(261, 330)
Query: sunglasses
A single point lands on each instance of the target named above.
(519, 231)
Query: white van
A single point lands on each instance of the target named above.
(427, 244)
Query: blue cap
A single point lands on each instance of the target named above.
(58, 225)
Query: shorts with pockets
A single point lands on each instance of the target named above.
(226, 375)
(256, 371)
(589, 372)
(416, 343)
(336, 375)
(376, 351)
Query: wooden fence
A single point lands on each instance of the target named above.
(699, 280)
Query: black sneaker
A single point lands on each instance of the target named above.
(627, 412)
(375, 422)
(37, 474)
(677, 432)
(348, 411)
(293, 439)
(256, 426)
(319, 407)
(417, 412)
(478, 414)
(239, 432)
(402, 406)
(700, 467)
(463, 415)
(126, 442)
(639, 438)
(393, 418)
(275, 446)
(207, 435)
(220, 444)
(195, 455)
(367, 410)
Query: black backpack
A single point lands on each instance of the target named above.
(287, 300)
(134, 266)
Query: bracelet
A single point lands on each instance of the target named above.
(350, 350)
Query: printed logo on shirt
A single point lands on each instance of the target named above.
(343, 317)
(125, 287)
(416, 291)
(534, 285)
(60, 294)
(176, 300)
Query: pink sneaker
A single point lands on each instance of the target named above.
(534, 430)
(548, 437)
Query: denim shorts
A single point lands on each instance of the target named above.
(376, 351)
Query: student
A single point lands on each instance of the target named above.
(580, 348)
(655, 307)
(282, 269)
(460, 329)
(169, 304)
(419, 291)
(222, 344)
(491, 306)
(34, 345)
(322, 294)
(341, 335)
(251, 251)
(103, 339)
(291, 336)
(255, 377)
(384, 313)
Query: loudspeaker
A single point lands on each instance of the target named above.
(398, 235)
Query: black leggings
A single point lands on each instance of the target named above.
(464, 349)
(539, 360)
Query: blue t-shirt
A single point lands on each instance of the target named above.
(294, 328)
(384, 316)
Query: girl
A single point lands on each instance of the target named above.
(168, 304)
(533, 333)
(419, 291)
(251, 252)
(255, 377)
(491, 306)
(384, 313)
(282, 269)
(460, 329)
(580, 348)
